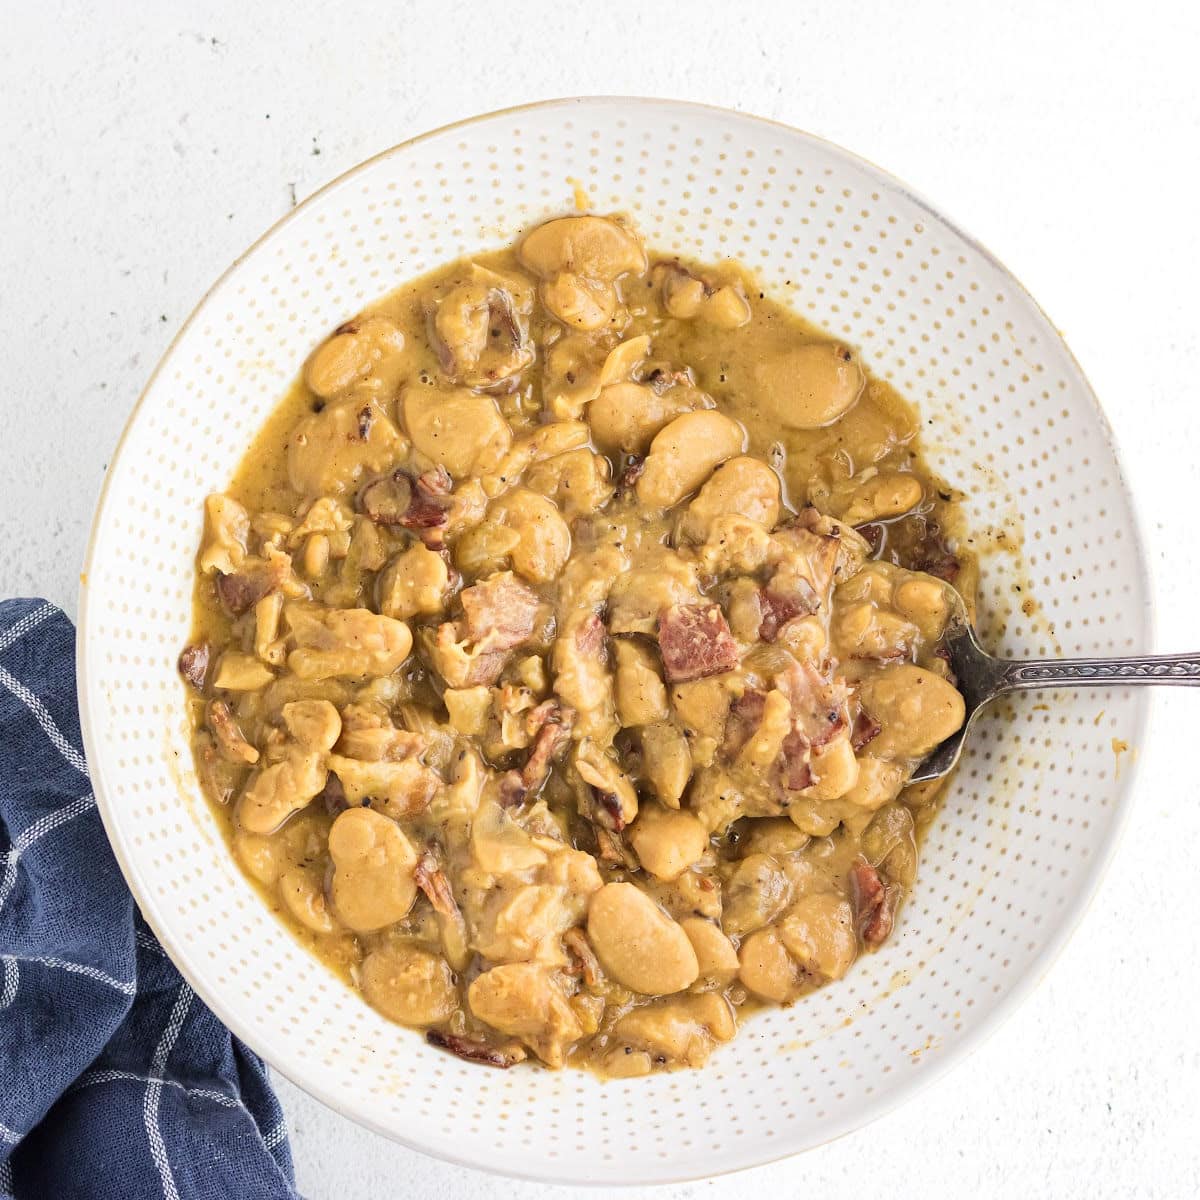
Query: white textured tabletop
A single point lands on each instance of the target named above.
(144, 146)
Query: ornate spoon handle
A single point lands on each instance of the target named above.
(1177, 669)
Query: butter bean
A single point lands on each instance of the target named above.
(409, 985)
(373, 863)
(638, 944)
(684, 454)
(917, 710)
(667, 841)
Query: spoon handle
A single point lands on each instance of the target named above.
(1174, 669)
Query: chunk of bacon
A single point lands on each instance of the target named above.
(193, 664)
(810, 548)
(553, 723)
(500, 612)
(631, 473)
(591, 637)
(431, 879)
(474, 1050)
(745, 716)
(931, 553)
(819, 708)
(874, 903)
(241, 591)
(782, 601)
(580, 949)
(795, 771)
(864, 730)
(420, 504)
(695, 642)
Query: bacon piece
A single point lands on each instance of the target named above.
(500, 612)
(475, 1051)
(425, 514)
(591, 636)
(931, 554)
(795, 770)
(609, 809)
(230, 739)
(333, 795)
(431, 879)
(435, 482)
(421, 505)
(193, 664)
(873, 534)
(551, 740)
(819, 708)
(240, 592)
(745, 716)
(943, 564)
(632, 473)
(874, 903)
(611, 849)
(612, 801)
(695, 642)
(580, 949)
(553, 723)
(864, 730)
(780, 605)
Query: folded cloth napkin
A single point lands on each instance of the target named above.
(116, 1082)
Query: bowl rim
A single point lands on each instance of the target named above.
(1038, 967)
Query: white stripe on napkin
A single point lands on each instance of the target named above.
(158, 1149)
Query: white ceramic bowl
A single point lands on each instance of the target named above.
(1031, 820)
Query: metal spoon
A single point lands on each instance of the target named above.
(981, 678)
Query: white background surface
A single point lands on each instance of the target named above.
(143, 147)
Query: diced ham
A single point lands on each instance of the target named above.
(874, 903)
(695, 642)
(500, 612)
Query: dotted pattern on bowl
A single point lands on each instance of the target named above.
(1008, 418)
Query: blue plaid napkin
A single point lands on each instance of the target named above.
(116, 1082)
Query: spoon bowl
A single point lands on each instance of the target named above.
(981, 678)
